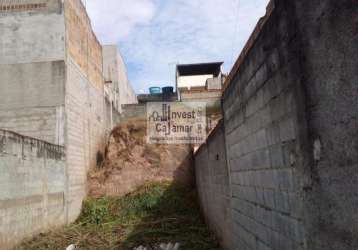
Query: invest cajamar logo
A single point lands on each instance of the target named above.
(176, 122)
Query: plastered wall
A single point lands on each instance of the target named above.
(32, 187)
(31, 34)
(32, 69)
(32, 99)
(115, 71)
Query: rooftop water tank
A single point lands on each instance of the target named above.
(155, 90)
(168, 90)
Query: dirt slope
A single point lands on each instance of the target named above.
(130, 162)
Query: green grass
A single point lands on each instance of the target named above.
(156, 213)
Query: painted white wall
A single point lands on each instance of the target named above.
(193, 81)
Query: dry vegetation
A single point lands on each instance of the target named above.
(125, 212)
(130, 162)
(155, 213)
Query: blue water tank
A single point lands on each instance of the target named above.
(155, 90)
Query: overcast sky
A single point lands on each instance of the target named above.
(154, 35)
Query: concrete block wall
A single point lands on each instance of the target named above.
(133, 111)
(211, 98)
(160, 97)
(315, 43)
(85, 104)
(32, 187)
(213, 185)
(82, 44)
(290, 116)
(262, 140)
(263, 148)
(52, 85)
(214, 83)
(85, 134)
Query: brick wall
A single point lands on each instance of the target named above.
(32, 185)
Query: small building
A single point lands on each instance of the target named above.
(200, 82)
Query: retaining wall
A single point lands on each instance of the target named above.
(32, 59)
(134, 111)
(52, 86)
(32, 187)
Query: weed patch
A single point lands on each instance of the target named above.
(155, 213)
